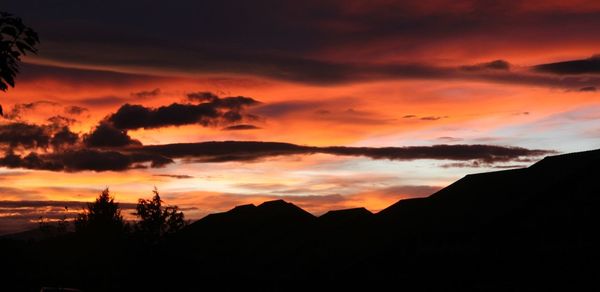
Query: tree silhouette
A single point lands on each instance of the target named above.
(156, 220)
(101, 218)
(49, 229)
(16, 39)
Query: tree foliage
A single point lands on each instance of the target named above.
(102, 217)
(49, 229)
(16, 40)
(157, 220)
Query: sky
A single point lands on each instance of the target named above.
(328, 104)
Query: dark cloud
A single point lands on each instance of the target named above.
(32, 136)
(137, 116)
(160, 155)
(24, 135)
(409, 116)
(30, 161)
(112, 132)
(583, 66)
(240, 127)
(93, 160)
(20, 108)
(64, 138)
(214, 111)
(75, 110)
(483, 153)
(107, 135)
(146, 93)
(493, 65)
(225, 151)
(588, 89)
(67, 153)
(83, 159)
(248, 151)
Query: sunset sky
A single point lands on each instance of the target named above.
(374, 101)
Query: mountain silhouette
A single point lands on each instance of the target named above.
(346, 216)
(49, 231)
(524, 229)
(525, 224)
(271, 216)
(476, 200)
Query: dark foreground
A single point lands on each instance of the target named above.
(516, 230)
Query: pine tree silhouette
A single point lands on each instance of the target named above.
(157, 220)
(101, 218)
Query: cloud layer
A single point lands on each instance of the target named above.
(156, 156)
(572, 67)
(317, 42)
(212, 111)
(109, 147)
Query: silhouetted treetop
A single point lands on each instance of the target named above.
(157, 220)
(102, 217)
